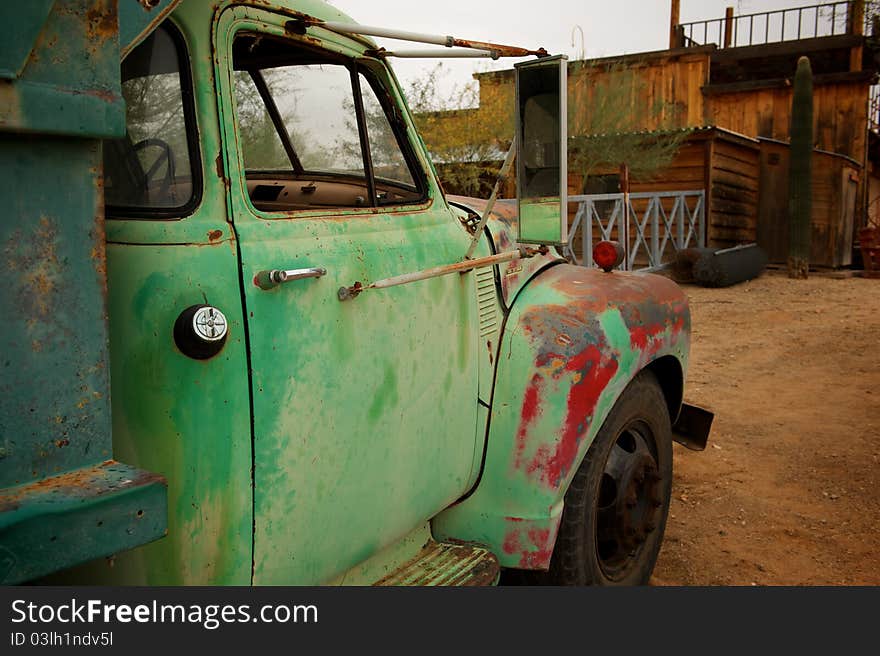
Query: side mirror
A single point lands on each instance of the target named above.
(542, 150)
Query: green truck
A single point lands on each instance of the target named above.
(249, 340)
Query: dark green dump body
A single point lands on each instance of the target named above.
(63, 500)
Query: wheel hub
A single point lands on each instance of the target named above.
(629, 502)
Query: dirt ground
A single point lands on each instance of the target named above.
(787, 491)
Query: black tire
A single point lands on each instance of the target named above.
(616, 507)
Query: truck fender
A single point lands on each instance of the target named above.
(572, 341)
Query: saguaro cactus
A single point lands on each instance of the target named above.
(800, 186)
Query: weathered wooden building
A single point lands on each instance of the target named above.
(728, 82)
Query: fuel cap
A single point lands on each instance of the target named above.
(200, 331)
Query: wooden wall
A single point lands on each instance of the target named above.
(733, 190)
(676, 87)
(840, 115)
(650, 91)
(835, 187)
(661, 91)
(687, 171)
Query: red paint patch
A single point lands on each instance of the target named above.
(534, 545)
(645, 338)
(511, 542)
(530, 409)
(539, 537)
(596, 371)
(540, 557)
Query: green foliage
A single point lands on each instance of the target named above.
(388, 160)
(465, 140)
(800, 191)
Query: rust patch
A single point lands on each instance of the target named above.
(587, 372)
(214, 235)
(101, 94)
(455, 564)
(101, 21)
(99, 247)
(500, 49)
(108, 477)
(34, 260)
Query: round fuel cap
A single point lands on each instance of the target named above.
(209, 323)
(200, 331)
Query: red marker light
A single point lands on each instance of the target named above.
(607, 255)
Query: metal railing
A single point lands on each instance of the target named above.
(874, 109)
(827, 19)
(646, 223)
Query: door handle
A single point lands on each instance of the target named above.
(273, 278)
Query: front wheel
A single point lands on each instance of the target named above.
(617, 504)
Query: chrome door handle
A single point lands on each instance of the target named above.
(273, 278)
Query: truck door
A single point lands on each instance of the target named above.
(365, 410)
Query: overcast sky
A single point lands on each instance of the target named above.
(610, 27)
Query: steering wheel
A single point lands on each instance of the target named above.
(165, 157)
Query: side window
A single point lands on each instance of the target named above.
(263, 148)
(388, 160)
(314, 133)
(150, 172)
(316, 111)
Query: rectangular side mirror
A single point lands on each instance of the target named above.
(542, 150)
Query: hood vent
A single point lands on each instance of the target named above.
(487, 303)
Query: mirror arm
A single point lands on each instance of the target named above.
(499, 181)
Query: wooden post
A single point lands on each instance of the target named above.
(728, 27)
(855, 20)
(674, 16)
(856, 25)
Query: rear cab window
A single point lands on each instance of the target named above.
(153, 172)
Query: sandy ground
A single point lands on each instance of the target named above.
(787, 491)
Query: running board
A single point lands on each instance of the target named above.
(441, 563)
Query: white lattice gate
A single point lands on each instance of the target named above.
(650, 225)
